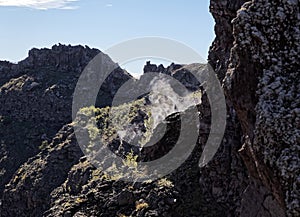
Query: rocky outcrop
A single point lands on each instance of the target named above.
(28, 193)
(63, 58)
(262, 83)
(89, 191)
(271, 117)
(182, 73)
(161, 69)
(223, 12)
(57, 183)
(37, 94)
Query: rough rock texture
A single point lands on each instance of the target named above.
(57, 183)
(225, 177)
(223, 12)
(37, 94)
(254, 173)
(28, 193)
(262, 83)
(102, 196)
(182, 73)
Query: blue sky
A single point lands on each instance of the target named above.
(100, 23)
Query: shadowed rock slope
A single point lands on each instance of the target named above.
(36, 100)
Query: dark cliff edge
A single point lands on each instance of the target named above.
(260, 75)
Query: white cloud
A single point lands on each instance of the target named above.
(108, 5)
(40, 4)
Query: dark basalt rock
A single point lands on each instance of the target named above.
(37, 94)
(182, 73)
(256, 47)
(255, 171)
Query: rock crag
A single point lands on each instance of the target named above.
(260, 75)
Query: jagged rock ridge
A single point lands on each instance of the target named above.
(37, 94)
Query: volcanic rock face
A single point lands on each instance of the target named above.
(28, 193)
(36, 95)
(255, 171)
(273, 53)
(182, 73)
(223, 12)
(56, 182)
(262, 82)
